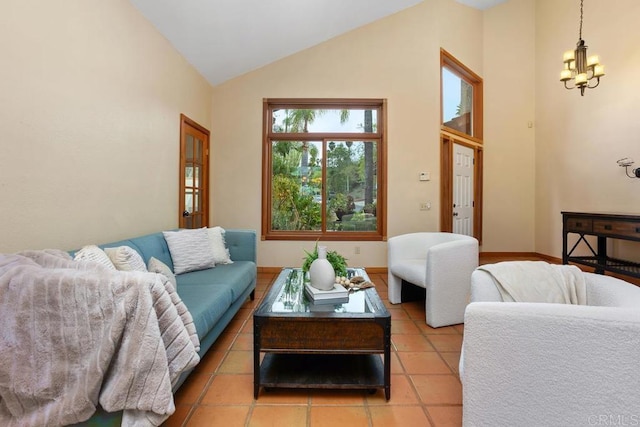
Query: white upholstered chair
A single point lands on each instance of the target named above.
(526, 364)
(441, 263)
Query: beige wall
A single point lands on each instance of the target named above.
(396, 58)
(565, 160)
(509, 106)
(579, 139)
(90, 98)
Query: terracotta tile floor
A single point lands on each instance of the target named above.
(425, 389)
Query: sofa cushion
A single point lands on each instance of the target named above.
(206, 306)
(93, 253)
(412, 270)
(125, 258)
(237, 276)
(219, 246)
(150, 245)
(153, 245)
(157, 266)
(190, 249)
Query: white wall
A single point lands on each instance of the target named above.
(579, 139)
(90, 103)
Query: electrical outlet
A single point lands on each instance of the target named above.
(356, 250)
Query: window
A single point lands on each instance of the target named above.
(461, 108)
(323, 169)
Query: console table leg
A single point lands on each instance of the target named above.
(602, 254)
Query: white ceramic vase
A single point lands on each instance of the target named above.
(321, 272)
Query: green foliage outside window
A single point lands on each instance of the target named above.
(323, 169)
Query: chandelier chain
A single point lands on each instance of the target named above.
(581, 8)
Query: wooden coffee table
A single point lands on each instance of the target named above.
(308, 345)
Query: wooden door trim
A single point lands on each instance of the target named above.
(446, 178)
(184, 122)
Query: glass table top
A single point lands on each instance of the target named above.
(292, 298)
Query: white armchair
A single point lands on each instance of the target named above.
(526, 364)
(441, 263)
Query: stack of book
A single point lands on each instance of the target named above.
(337, 295)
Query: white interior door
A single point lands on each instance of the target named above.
(463, 165)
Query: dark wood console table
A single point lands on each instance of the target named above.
(604, 226)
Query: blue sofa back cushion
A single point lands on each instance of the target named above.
(241, 244)
(151, 245)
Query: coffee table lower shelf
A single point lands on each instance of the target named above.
(322, 371)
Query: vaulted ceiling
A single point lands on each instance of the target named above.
(223, 39)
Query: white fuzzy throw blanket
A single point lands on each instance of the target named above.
(75, 334)
(538, 281)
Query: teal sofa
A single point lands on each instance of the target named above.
(213, 296)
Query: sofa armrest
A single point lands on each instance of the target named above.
(241, 244)
(611, 292)
(549, 364)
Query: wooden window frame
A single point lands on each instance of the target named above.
(271, 104)
(458, 68)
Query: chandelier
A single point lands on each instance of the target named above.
(584, 71)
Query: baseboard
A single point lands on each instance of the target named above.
(520, 255)
(550, 258)
(270, 270)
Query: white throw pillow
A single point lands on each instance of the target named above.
(157, 266)
(219, 246)
(93, 253)
(126, 258)
(190, 249)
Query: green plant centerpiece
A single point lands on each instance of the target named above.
(337, 261)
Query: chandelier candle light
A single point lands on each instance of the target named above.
(577, 66)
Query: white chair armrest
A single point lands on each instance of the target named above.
(406, 246)
(484, 287)
(549, 364)
(448, 280)
(416, 245)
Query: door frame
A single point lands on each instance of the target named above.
(447, 140)
(185, 123)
